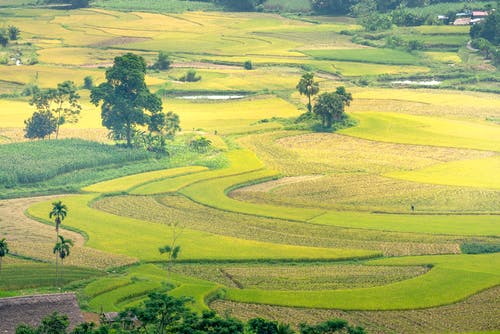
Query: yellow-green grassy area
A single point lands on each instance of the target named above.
(241, 161)
(451, 279)
(168, 208)
(423, 130)
(481, 173)
(118, 292)
(114, 233)
(127, 182)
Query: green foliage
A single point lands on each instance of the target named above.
(171, 6)
(330, 326)
(163, 62)
(127, 101)
(59, 212)
(78, 154)
(88, 82)
(4, 37)
(489, 29)
(14, 32)
(200, 144)
(62, 102)
(247, 65)
(41, 124)
(190, 76)
(4, 250)
(330, 106)
(479, 248)
(308, 87)
(375, 22)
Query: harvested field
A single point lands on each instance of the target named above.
(476, 313)
(33, 239)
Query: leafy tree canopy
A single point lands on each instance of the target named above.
(126, 100)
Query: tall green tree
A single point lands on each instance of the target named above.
(308, 87)
(62, 250)
(59, 212)
(62, 102)
(126, 100)
(4, 250)
(330, 106)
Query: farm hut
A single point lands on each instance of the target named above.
(31, 310)
(464, 21)
(478, 14)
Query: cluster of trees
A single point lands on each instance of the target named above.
(329, 106)
(12, 33)
(486, 37)
(162, 314)
(126, 104)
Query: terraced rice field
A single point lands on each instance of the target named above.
(321, 222)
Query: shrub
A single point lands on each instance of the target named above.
(190, 76)
(248, 65)
(88, 82)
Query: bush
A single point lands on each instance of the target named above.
(88, 82)
(163, 62)
(190, 76)
(248, 65)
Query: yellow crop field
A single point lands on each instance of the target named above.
(481, 173)
(424, 130)
(445, 57)
(230, 115)
(47, 76)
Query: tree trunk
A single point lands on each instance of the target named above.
(57, 270)
(309, 106)
(1, 258)
(129, 135)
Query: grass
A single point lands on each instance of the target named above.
(213, 194)
(241, 161)
(423, 130)
(376, 56)
(462, 275)
(107, 232)
(171, 6)
(170, 208)
(75, 155)
(39, 275)
(470, 225)
(118, 292)
(131, 181)
(469, 173)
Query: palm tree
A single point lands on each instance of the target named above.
(59, 211)
(4, 249)
(307, 86)
(172, 252)
(61, 249)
